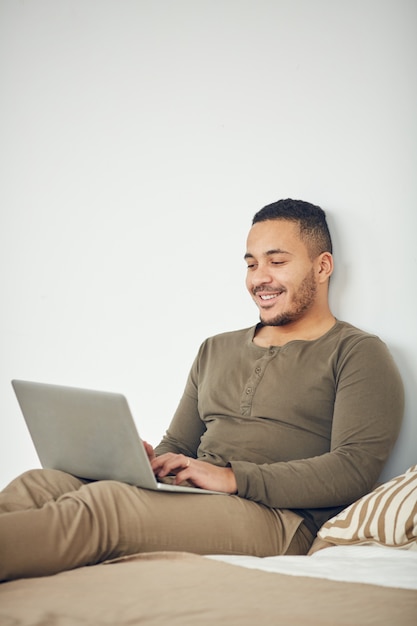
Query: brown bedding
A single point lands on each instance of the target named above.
(171, 589)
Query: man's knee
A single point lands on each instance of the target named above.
(36, 487)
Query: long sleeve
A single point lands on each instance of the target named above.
(368, 408)
(186, 428)
(305, 426)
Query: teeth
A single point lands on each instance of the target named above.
(268, 297)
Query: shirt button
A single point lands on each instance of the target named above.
(249, 390)
(258, 370)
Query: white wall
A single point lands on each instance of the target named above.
(137, 140)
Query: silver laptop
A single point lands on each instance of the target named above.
(90, 434)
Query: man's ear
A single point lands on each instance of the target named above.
(325, 266)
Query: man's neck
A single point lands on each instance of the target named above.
(266, 336)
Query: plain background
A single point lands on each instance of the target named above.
(137, 140)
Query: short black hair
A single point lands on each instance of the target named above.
(310, 218)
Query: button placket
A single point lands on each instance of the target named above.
(253, 381)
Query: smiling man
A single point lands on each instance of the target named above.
(293, 417)
(289, 257)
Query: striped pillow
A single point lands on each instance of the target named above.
(386, 516)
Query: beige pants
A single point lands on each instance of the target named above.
(51, 521)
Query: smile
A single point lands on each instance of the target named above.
(268, 297)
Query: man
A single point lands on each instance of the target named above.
(294, 418)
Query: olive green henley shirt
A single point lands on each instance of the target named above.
(307, 426)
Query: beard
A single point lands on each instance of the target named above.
(302, 300)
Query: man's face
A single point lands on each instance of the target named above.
(281, 277)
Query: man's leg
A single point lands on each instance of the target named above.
(36, 487)
(107, 519)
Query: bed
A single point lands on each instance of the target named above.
(361, 570)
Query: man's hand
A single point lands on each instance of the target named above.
(198, 473)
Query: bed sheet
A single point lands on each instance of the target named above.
(179, 589)
(369, 564)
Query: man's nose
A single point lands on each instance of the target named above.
(261, 276)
